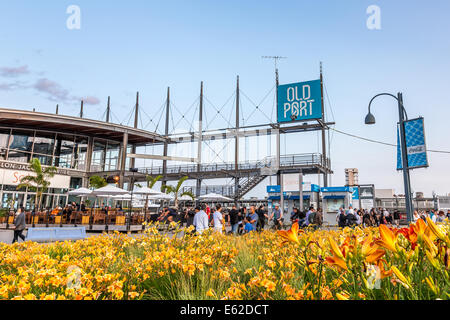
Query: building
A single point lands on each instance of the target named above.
(79, 148)
(351, 177)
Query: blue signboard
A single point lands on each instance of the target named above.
(337, 189)
(273, 189)
(355, 195)
(299, 101)
(415, 144)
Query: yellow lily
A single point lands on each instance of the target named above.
(371, 251)
(437, 232)
(403, 280)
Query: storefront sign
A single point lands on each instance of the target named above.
(299, 101)
(13, 177)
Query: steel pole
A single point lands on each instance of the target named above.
(406, 179)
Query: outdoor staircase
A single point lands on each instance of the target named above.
(247, 184)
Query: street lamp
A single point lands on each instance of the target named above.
(133, 170)
(370, 119)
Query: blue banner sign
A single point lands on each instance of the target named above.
(273, 189)
(299, 101)
(337, 189)
(415, 144)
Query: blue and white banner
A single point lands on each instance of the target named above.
(299, 101)
(415, 144)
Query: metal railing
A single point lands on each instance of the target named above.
(309, 159)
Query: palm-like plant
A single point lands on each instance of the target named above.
(151, 181)
(97, 182)
(38, 181)
(176, 190)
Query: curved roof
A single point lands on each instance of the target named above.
(75, 125)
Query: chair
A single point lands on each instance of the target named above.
(99, 217)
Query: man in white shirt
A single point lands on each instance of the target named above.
(217, 217)
(201, 219)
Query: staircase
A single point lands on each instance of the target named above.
(247, 184)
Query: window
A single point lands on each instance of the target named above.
(64, 151)
(98, 156)
(44, 143)
(80, 151)
(19, 156)
(112, 156)
(21, 140)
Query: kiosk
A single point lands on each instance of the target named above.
(334, 198)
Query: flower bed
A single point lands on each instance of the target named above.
(374, 263)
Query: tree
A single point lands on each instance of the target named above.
(39, 181)
(176, 190)
(151, 181)
(97, 182)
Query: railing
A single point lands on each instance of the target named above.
(309, 159)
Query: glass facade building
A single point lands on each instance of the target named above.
(62, 150)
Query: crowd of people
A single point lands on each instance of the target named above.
(240, 220)
(377, 216)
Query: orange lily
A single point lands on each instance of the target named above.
(370, 250)
(291, 235)
(383, 272)
(338, 257)
(388, 239)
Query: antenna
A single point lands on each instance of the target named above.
(275, 58)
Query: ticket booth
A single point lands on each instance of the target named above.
(334, 198)
(292, 199)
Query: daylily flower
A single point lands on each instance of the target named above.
(370, 250)
(388, 239)
(437, 232)
(338, 257)
(291, 235)
(403, 280)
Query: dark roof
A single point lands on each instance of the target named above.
(74, 125)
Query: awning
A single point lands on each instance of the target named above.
(334, 197)
(305, 197)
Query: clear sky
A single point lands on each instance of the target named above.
(147, 46)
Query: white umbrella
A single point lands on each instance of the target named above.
(214, 197)
(146, 191)
(185, 198)
(80, 192)
(111, 190)
(162, 196)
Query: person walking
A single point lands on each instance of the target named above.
(19, 223)
(397, 218)
(276, 216)
(342, 219)
(201, 222)
(253, 217)
(234, 219)
(218, 219)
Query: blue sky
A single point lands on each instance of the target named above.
(146, 46)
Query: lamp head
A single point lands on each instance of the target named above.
(370, 119)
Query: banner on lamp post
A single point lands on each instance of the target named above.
(415, 145)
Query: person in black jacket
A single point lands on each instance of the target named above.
(342, 222)
(261, 218)
(20, 225)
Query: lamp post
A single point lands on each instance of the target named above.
(370, 119)
(133, 170)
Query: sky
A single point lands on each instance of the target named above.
(147, 46)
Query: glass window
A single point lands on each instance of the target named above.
(80, 151)
(112, 156)
(19, 156)
(98, 156)
(45, 160)
(21, 140)
(64, 151)
(4, 137)
(75, 183)
(44, 143)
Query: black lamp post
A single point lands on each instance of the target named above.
(133, 170)
(370, 119)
